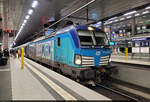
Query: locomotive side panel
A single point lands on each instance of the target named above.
(63, 49)
(45, 51)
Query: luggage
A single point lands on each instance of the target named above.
(3, 60)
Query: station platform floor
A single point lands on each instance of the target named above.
(36, 82)
(135, 61)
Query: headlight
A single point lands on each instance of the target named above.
(109, 59)
(78, 59)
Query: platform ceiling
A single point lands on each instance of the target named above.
(13, 12)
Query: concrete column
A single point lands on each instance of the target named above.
(133, 27)
(5, 40)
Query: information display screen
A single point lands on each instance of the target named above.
(112, 43)
(145, 43)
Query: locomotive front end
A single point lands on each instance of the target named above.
(94, 48)
(94, 53)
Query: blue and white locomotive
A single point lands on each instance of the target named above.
(79, 51)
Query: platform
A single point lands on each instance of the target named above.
(134, 71)
(5, 82)
(36, 82)
(122, 59)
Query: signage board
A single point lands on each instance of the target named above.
(112, 43)
(140, 39)
(144, 49)
(135, 49)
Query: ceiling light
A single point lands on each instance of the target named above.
(113, 18)
(23, 24)
(25, 21)
(21, 28)
(116, 20)
(107, 22)
(147, 7)
(129, 13)
(148, 21)
(30, 11)
(129, 16)
(141, 22)
(111, 22)
(27, 16)
(145, 12)
(34, 4)
(137, 14)
(122, 19)
(99, 22)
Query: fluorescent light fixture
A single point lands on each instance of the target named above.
(30, 11)
(111, 22)
(147, 7)
(25, 21)
(141, 22)
(143, 27)
(116, 20)
(122, 19)
(21, 28)
(145, 12)
(129, 16)
(105, 23)
(137, 14)
(99, 23)
(27, 16)
(129, 13)
(23, 24)
(144, 16)
(148, 21)
(113, 18)
(34, 4)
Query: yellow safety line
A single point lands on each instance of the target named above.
(126, 54)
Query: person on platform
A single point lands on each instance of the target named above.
(14, 53)
(19, 53)
(6, 53)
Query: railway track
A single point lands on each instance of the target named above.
(118, 92)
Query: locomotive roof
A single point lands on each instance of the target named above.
(76, 27)
(66, 29)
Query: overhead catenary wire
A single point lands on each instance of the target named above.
(71, 13)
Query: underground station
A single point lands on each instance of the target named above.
(75, 50)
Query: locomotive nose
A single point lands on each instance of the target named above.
(95, 57)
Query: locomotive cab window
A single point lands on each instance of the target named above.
(92, 37)
(58, 41)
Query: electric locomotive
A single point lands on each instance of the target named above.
(79, 51)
